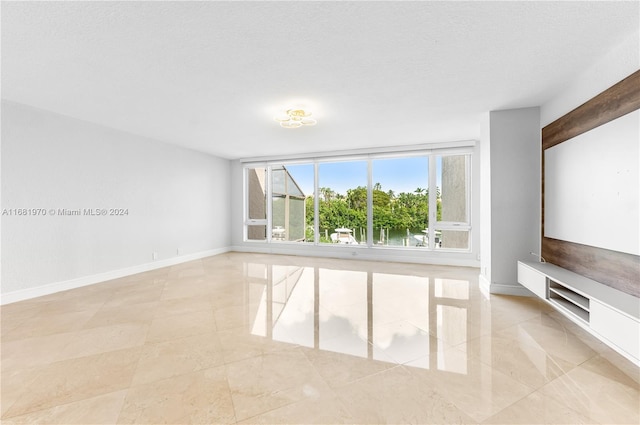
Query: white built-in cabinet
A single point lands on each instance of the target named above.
(610, 315)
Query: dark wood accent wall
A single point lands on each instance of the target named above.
(616, 269)
(618, 100)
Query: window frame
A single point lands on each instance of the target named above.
(451, 225)
(431, 153)
(254, 221)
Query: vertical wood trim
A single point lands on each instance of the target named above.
(616, 269)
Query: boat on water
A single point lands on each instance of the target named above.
(343, 236)
(423, 240)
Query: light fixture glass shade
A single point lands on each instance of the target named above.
(295, 117)
(308, 121)
(298, 113)
(291, 124)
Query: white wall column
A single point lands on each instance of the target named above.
(510, 196)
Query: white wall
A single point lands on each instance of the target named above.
(177, 199)
(469, 259)
(510, 215)
(617, 64)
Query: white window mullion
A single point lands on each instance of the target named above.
(245, 203)
(268, 180)
(433, 202)
(468, 195)
(369, 203)
(316, 206)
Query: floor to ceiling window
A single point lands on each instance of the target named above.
(408, 201)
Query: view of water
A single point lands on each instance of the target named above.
(392, 237)
(397, 237)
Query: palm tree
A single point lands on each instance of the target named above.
(327, 193)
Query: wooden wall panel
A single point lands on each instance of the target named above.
(616, 269)
(620, 99)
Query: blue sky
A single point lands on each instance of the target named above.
(398, 174)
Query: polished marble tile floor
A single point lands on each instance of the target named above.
(252, 338)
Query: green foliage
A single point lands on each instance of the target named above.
(308, 231)
(390, 210)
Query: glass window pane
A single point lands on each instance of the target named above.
(292, 188)
(297, 219)
(256, 233)
(400, 201)
(278, 218)
(453, 239)
(256, 193)
(452, 182)
(343, 202)
(278, 180)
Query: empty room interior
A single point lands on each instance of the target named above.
(320, 212)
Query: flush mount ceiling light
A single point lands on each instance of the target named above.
(295, 117)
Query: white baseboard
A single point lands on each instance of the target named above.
(502, 289)
(348, 253)
(51, 288)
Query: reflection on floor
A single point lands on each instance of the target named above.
(251, 338)
(378, 316)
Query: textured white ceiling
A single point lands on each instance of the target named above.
(211, 75)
